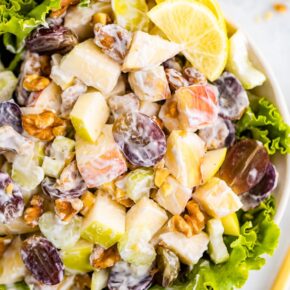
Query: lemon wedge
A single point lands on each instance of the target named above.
(213, 6)
(195, 26)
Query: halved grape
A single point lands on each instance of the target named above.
(43, 261)
(10, 114)
(140, 139)
(62, 235)
(245, 165)
(69, 185)
(53, 39)
(268, 183)
(220, 134)
(262, 190)
(125, 276)
(168, 265)
(233, 99)
(11, 199)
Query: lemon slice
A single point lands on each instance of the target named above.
(213, 5)
(131, 14)
(192, 24)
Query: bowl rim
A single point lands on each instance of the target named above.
(283, 109)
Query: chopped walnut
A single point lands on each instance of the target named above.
(193, 76)
(4, 243)
(35, 83)
(280, 7)
(34, 210)
(82, 282)
(102, 259)
(175, 79)
(88, 200)
(190, 224)
(66, 209)
(45, 126)
(113, 39)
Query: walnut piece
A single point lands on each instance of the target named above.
(88, 200)
(113, 39)
(45, 126)
(191, 223)
(35, 83)
(102, 259)
(34, 210)
(117, 194)
(66, 209)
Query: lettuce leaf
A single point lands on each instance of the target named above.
(262, 121)
(259, 236)
(19, 17)
(84, 3)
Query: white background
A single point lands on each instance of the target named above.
(272, 37)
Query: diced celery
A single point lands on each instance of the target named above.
(52, 167)
(100, 279)
(138, 183)
(217, 249)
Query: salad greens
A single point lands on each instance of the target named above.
(259, 235)
(19, 17)
(264, 122)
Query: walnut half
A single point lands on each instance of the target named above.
(45, 126)
(190, 224)
(102, 259)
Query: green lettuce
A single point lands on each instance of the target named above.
(19, 17)
(262, 121)
(259, 236)
(84, 3)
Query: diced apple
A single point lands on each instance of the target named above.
(211, 163)
(60, 77)
(217, 249)
(185, 151)
(143, 220)
(147, 217)
(12, 268)
(149, 108)
(101, 162)
(135, 248)
(148, 50)
(100, 279)
(150, 85)
(105, 222)
(91, 66)
(52, 167)
(231, 224)
(169, 115)
(120, 88)
(197, 106)
(217, 198)
(89, 115)
(173, 196)
(189, 250)
(77, 258)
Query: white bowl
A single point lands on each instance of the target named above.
(271, 91)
